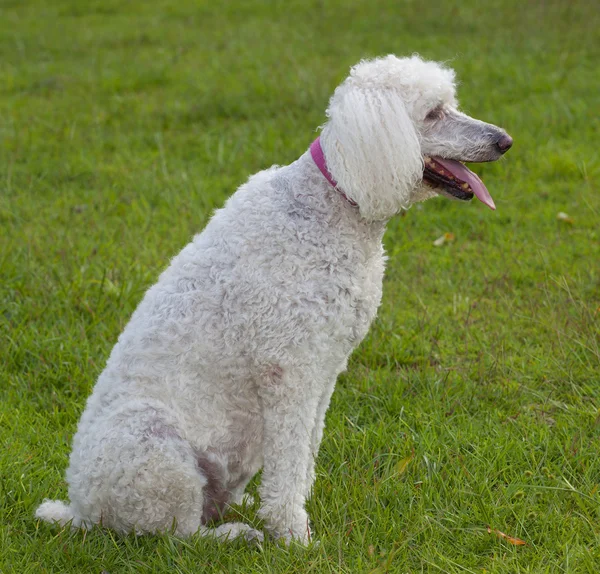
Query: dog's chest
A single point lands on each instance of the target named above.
(357, 291)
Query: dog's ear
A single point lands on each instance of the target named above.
(372, 148)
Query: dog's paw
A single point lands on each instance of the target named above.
(232, 530)
(288, 523)
(253, 536)
(301, 536)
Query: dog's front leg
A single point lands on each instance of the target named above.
(317, 433)
(290, 400)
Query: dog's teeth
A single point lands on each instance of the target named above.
(465, 186)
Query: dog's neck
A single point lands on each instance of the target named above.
(316, 152)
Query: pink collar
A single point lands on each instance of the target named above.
(316, 151)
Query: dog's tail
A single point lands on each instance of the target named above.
(58, 511)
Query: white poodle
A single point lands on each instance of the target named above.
(228, 364)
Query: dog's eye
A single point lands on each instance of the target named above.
(436, 114)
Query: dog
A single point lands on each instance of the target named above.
(229, 362)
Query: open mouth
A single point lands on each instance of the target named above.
(453, 178)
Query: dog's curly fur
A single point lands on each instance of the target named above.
(229, 362)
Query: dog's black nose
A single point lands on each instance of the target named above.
(504, 143)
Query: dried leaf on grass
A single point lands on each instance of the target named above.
(403, 464)
(509, 539)
(562, 216)
(446, 238)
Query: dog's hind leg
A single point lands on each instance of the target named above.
(136, 473)
(141, 475)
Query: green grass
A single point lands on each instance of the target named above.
(475, 400)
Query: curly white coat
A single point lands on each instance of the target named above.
(229, 362)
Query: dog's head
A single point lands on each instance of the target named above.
(394, 136)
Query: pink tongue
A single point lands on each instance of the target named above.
(463, 173)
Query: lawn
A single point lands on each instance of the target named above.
(472, 408)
